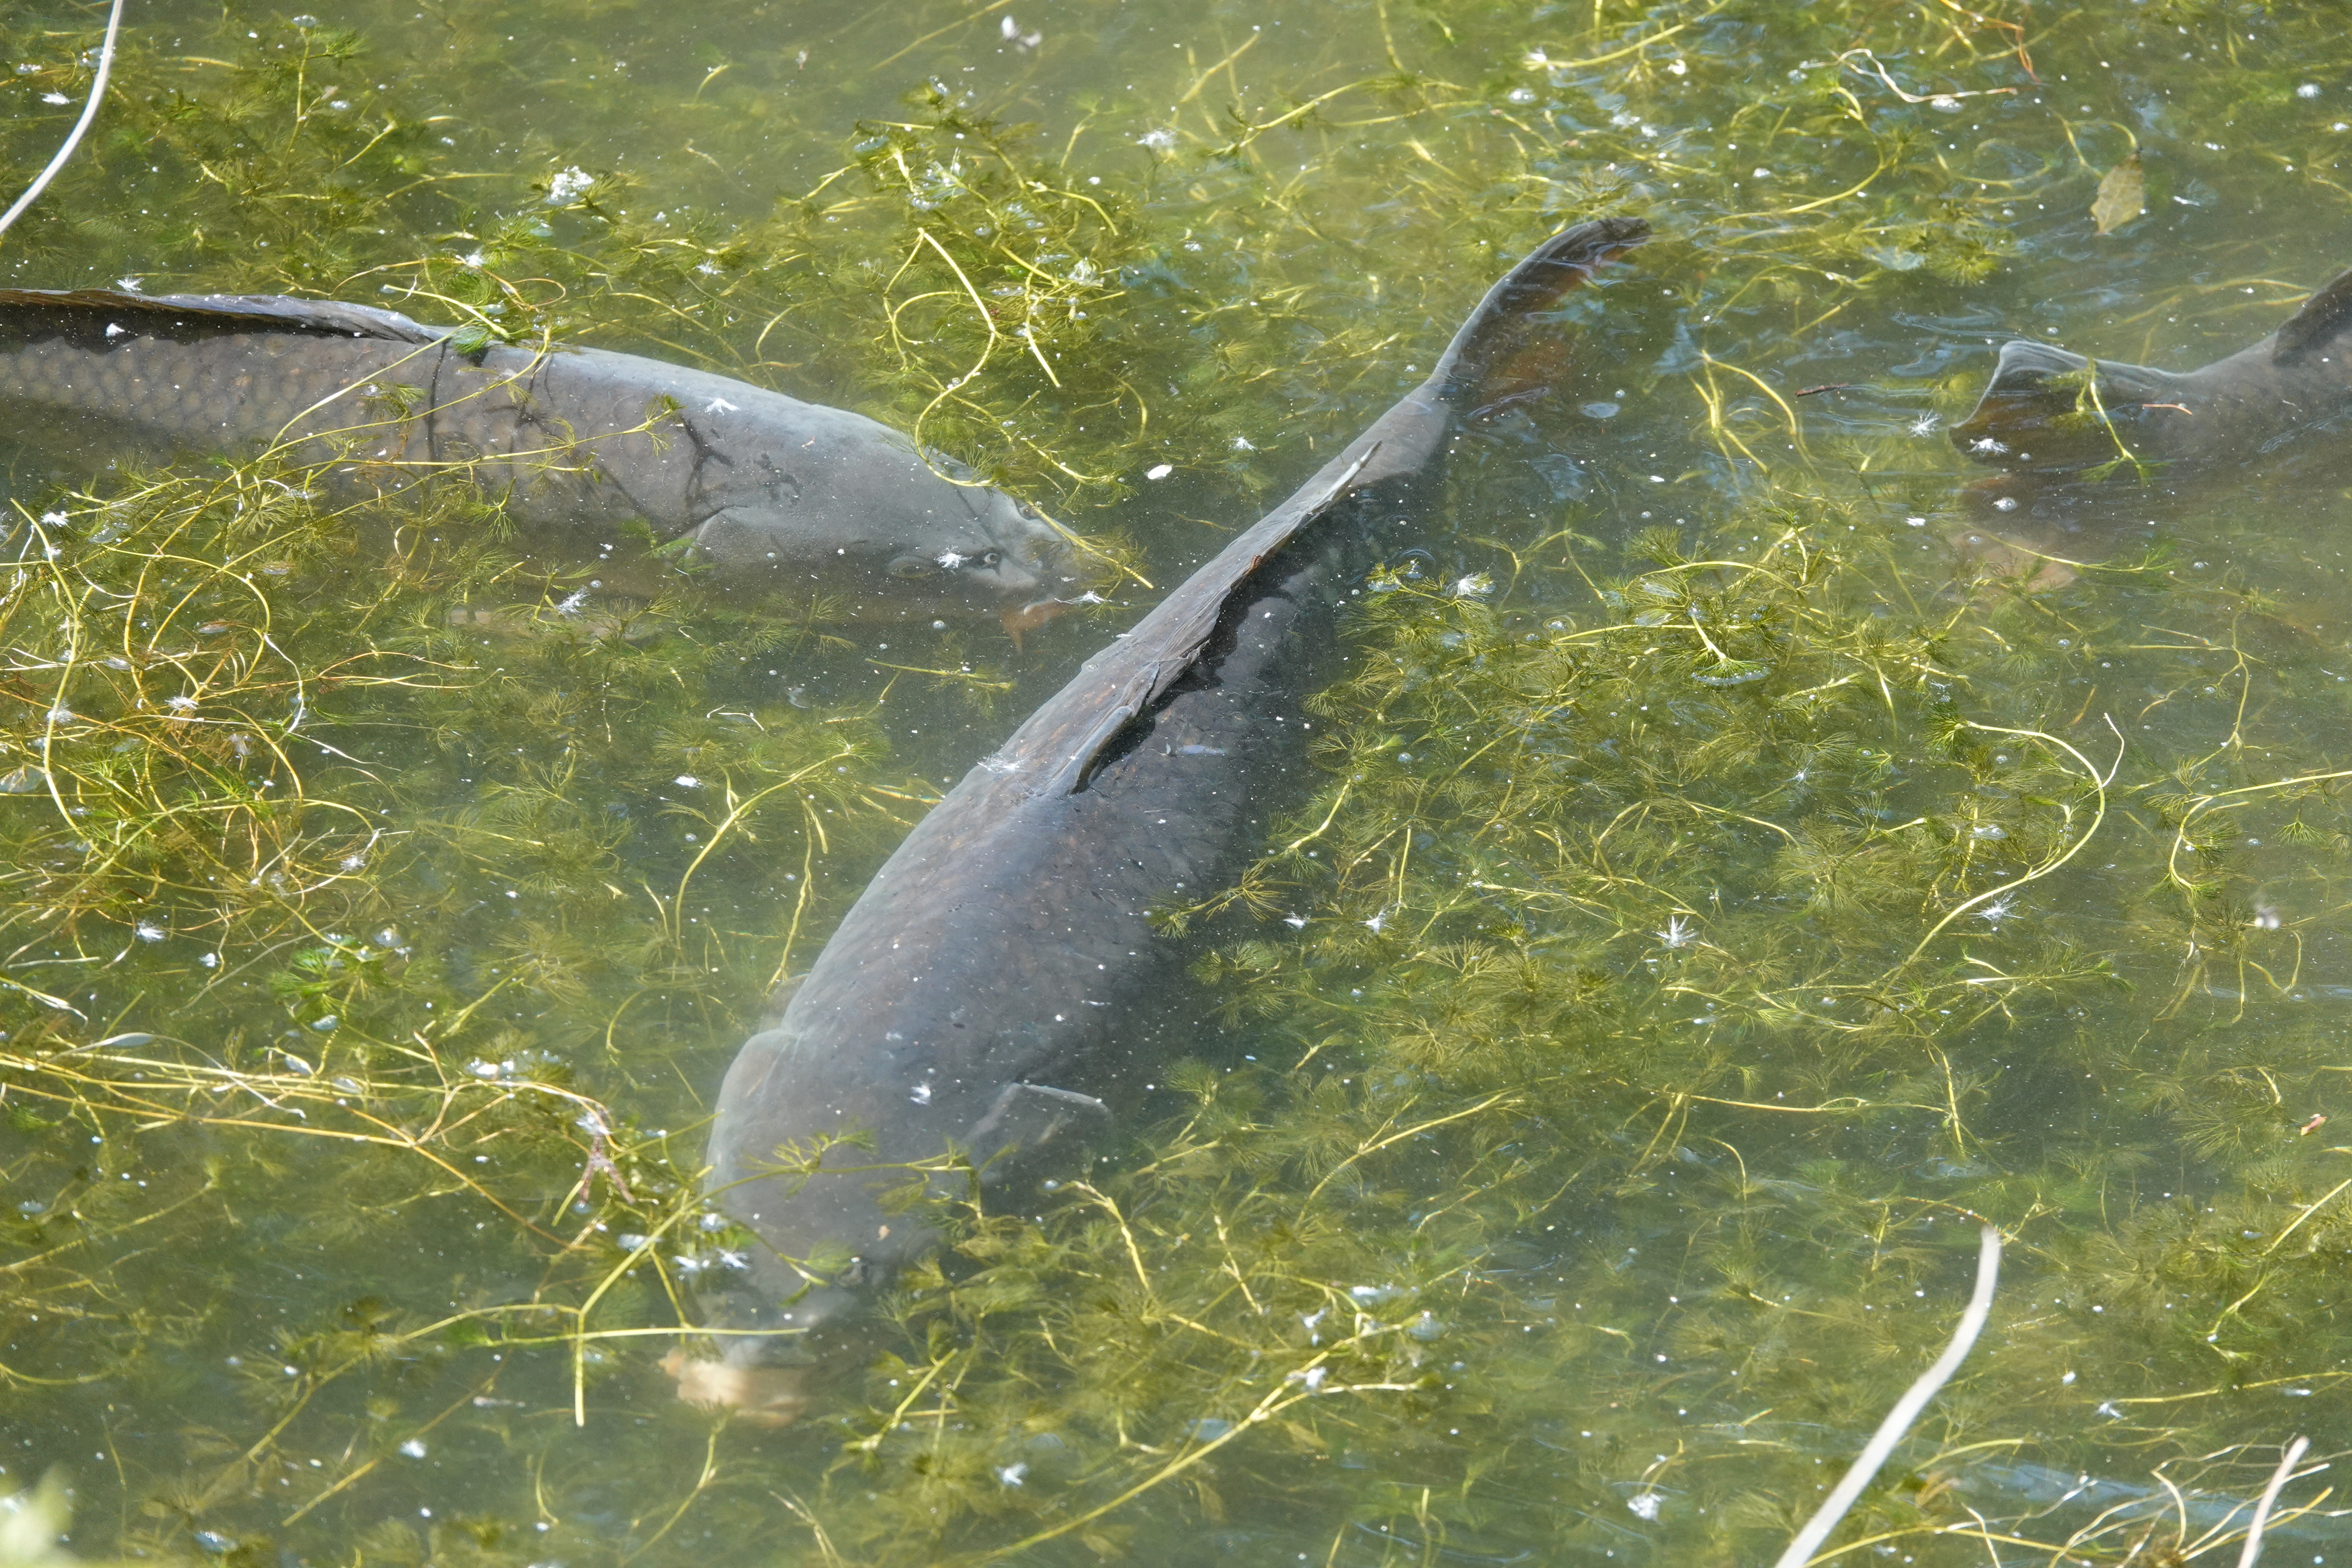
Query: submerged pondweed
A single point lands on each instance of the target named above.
(1759, 963)
(1739, 858)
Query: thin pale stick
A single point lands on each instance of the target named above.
(89, 113)
(1907, 1410)
(2287, 1463)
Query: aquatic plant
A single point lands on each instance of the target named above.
(1731, 870)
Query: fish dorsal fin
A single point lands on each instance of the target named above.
(2028, 367)
(74, 310)
(2321, 321)
(2035, 400)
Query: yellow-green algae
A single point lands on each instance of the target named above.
(1727, 876)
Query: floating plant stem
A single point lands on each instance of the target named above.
(2099, 783)
(2252, 1552)
(73, 138)
(1569, 1059)
(1906, 1410)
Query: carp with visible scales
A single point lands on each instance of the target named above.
(994, 989)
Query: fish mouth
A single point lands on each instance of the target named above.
(1028, 618)
(756, 1395)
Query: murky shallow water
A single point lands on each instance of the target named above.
(1595, 1163)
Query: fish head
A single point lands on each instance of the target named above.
(818, 1230)
(754, 1394)
(926, 547)
(1001, 559)
(773, 1363)
(2050, 412)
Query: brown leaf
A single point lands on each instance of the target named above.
(2122, 196)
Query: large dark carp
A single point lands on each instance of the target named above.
(767, 492)
(999, 987)
(2048, 412)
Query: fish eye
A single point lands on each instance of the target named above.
(992, 558)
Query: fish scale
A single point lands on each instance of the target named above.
(764, 491)
(183, 400)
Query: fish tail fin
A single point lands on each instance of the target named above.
(2047, 408)
(1504, 352)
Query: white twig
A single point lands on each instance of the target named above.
(1907, 1410)
(89, 113)
(2292, 1457)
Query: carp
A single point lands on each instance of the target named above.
(763, 490)
(2049, 413)
(998, 989)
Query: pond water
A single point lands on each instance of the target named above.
(1745, 860)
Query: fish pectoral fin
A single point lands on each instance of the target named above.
(2046, 404)
(1032, 1115)
(772, 1013)
(2320, 322)
(1070, 1098)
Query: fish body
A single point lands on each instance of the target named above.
(997, 988)
(2048, 412)
(765, 491)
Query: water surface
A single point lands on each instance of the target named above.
(1740, 864)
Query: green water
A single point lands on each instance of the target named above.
(1732, 872)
